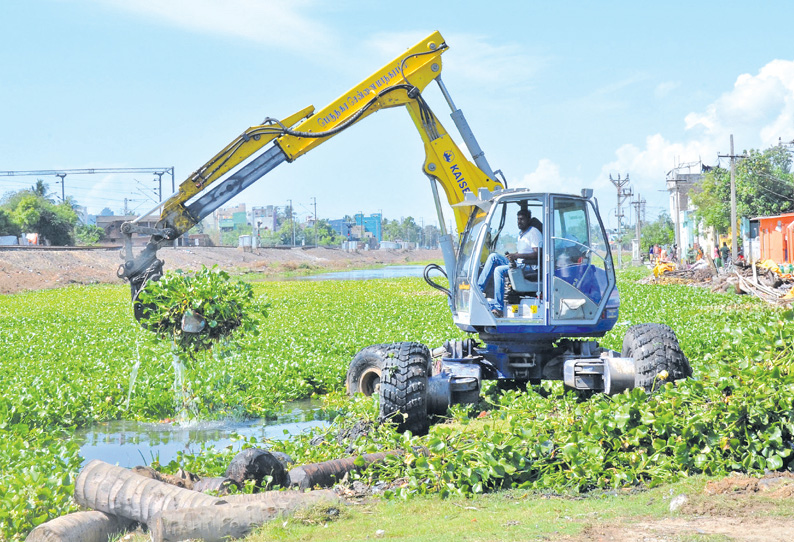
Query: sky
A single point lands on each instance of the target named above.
(560, 95)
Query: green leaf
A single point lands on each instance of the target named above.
(774, 462)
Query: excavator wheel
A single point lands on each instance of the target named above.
(403, 387)
(363, 373)
(657, 356)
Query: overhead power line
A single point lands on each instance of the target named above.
(89, 171)
(62, 173)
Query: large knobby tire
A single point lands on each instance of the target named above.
(363, 373)
(655, 349)
(403, 387)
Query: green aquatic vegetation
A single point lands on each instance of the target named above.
(195, 310)
(66, 358)
(698, 316)
(37, 471)
(66, 355)
(737, 419)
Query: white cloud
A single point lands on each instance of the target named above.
(664, 89)
(280, 23)
(759, 108)
(648, 166)
(757, 111)
(491, 65)
(546, 178)
(471, 58)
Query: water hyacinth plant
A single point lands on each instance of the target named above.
(196, 310)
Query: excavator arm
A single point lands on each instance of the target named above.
(398, 83)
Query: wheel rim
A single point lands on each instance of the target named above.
(369, 382)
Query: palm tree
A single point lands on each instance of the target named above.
(42, 190)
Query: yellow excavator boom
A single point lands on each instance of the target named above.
(398, 83)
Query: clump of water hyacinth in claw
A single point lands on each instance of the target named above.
(196, 310)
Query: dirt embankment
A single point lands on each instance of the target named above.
(24, 269)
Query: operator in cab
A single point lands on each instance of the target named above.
(528, 245)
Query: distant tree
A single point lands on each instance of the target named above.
(88, 234)
(232, 238)
(659, 232)
(34, 211)
(287, 230)
(36, 214)
(405, 230)
(106, 212)
(712, 199)
(326, 235)
(392, 230)
(7, 224)
(431, 236)
(11, 199)
(410, 230)
(269, 238)
(57, 224)
(42, 190)
(764, 186)
(627, 235)
(72, 203)
(27, 210)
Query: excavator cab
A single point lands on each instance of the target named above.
(569, 290)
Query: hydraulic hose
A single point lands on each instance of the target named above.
(353, 119)
(426, 275)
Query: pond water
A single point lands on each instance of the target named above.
(131, 443)
(391, 272)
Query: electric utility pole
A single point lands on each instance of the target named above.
(623, 193)
(316, 240)
(63, 185)
(639, 211)
(734, 236)
(292, 221)
(160, 183)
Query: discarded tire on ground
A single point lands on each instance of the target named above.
(363, 373)
(257, 464)
(403, 387)
(655, 349)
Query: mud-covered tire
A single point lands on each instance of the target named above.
(654, 348)
(403, 387)
(363, 373)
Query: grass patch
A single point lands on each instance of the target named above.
(631, 514)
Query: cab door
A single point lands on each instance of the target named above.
(582, 274)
